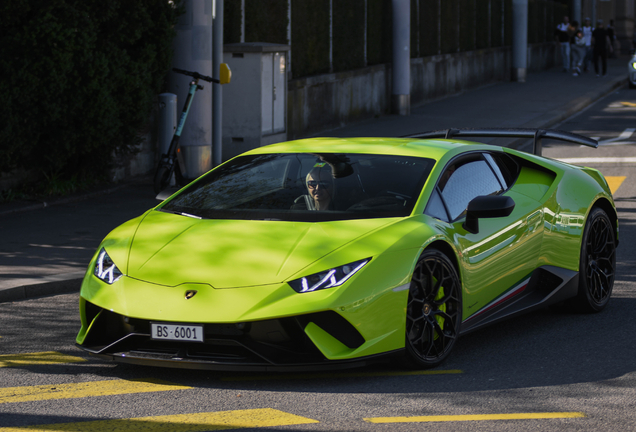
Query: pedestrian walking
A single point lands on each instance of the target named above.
(562, 36)
(577, 49)
(602, 44)
(587, 35)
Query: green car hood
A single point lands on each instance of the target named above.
(171, 249)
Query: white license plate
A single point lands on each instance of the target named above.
(176, 332)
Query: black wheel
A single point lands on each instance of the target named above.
(434, 310)
(598, 263)
(162, 178)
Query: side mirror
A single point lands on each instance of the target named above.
(487, 206)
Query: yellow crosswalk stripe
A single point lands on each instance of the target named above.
(48, 357)
(476, 417)
(338, 375)
(614, 182)
(84, 389)
(194, 422)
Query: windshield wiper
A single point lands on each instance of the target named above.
(181, 213)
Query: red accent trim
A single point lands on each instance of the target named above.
(513, 292)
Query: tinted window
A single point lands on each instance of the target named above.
(508, 168)
(306, 187)
(435, 207)
(496, 170)
(465, 181)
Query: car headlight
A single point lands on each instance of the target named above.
(105, 268)
(633, 65)
(329, 278)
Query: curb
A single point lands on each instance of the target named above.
(65, 200)
(44, 289)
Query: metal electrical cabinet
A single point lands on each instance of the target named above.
(255, 104)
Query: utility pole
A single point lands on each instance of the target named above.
(519, 40)
(217, 102)
(401, 64)
(193, 52)
(576, 11)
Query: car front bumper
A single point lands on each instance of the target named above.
(282, 344)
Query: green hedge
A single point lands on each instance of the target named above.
(550, 25)
(310, 37)
(79, 80)
(496, 23)
(414, 24)
(507, 22)
(348, 31)
(482, 21)
(232, 18)
(449, 32)
(266, 21)
(467, 25)
(540, 22)
(379, 31)
(429, 28)
(442, 26)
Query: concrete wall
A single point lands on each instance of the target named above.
(543, 56)
(328, 101)
(321, 102)
(439, 76)
(142, 162)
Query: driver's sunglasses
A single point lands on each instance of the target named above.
(313, 183)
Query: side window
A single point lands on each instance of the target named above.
(465, 180)
(497, 170)
(505, 166)
(435, 207)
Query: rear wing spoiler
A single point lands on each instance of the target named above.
(535, 134)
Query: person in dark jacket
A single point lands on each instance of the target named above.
(602, 45)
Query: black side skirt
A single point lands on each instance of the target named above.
(548, 285)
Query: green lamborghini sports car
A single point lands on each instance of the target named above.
(333, 252)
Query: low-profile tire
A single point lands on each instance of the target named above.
(597, 265)
(433, 311)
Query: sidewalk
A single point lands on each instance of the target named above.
(46, 247)
(543, 101)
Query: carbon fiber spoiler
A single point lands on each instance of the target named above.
(535, 134)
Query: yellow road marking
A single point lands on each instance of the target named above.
(48, 357)
(476, 417)
(84, 389)
(614, 182)
(195, 422)
(339, 375)
(629, 104)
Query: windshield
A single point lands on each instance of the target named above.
(306, 187)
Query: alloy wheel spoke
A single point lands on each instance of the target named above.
(431, 323)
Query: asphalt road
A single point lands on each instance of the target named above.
(580, 368)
